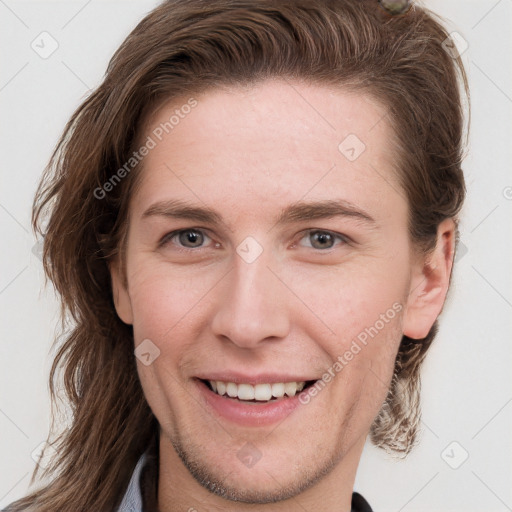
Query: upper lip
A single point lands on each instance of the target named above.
(261, 378)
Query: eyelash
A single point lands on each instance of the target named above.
(169, 236)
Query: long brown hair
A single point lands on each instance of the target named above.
(185, 47)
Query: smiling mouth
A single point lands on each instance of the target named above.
(263, 393)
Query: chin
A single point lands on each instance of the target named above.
(249, 476)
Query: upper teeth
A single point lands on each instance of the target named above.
(261, 392)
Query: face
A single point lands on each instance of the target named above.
(236, 284)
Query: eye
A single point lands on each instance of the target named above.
(186, 238)
(322, 240)
(192, 238)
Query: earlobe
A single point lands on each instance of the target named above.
(429, 284)
(120, 294)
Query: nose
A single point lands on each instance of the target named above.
(252, 304)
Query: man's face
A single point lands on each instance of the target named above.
(249, 299)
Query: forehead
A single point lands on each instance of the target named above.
(278, 141)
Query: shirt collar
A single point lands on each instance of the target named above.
(132, 499)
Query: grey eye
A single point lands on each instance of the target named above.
(321, 239)
(191, 238)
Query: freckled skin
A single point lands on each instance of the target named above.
(248, 153)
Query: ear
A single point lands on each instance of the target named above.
(122, 301)
(429, 284)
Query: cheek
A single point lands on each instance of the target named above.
(366, 363)
(358, 324)
(343, 302)
(164, 300)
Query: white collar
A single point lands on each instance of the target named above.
(132, 499)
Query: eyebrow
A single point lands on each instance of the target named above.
(295, 212)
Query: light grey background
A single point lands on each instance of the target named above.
(467, 392)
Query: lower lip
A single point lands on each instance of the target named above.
(252, 414)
